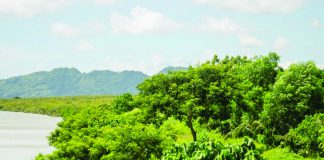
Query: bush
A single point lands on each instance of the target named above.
(213, 150)
(123, 103)
(97, 133)
(308, 138)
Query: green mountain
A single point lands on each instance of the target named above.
(70, 81)
(172, 68)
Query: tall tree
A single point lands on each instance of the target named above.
(297, 92)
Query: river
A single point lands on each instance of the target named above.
(24, 135)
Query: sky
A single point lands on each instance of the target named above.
(37, 35)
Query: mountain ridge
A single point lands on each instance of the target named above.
(66, 81)
(71, 82)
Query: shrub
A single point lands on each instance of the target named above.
(213, 150)
(308, 138)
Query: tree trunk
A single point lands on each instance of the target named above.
(193, 132)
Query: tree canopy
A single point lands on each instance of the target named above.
(234, 96)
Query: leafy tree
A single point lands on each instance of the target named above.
(212, 93)
(169, 95)
(297, 92)
(256, 79)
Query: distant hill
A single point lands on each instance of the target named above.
(69, 82)
(172, 68)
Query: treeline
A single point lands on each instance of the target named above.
(53, 106)
(234, 97)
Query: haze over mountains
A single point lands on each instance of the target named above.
(71, 82)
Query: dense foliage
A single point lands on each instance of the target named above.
(297, 92)
(308, 138)
(97, 133)
(213, 150)
(225, 94)
(184, 114)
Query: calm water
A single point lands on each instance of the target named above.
(23, 135)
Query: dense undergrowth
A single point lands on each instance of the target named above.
(234, 108)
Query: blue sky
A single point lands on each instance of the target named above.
(141, 35)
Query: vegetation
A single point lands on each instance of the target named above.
(282, 153)
(224, 95)
(96, 133)
(212, 150)
(54, 106)
(297, 92)
(205, 112)
(308, 138)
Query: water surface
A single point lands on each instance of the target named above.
(24, 135)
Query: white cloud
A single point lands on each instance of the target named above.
(227, 26)
(142, 21)
(280, 43)
(64, 30)
(256, 6)
(316, 23)
(29, 8)
(222, 25)
(105, 2)
(250, 41)
(98, 27)
(84, 46)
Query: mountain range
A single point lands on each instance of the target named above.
(71, 82)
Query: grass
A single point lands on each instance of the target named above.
(282, 154)
(53, 106)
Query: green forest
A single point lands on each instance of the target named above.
(227, 109)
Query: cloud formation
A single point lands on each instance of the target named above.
(30, 8)
(250, 41)
(256, 6)
(98, 27)
(227, 26)
(84, 46)
(316, 23)
(222, 25)
(281, 43)
(142, 21)
(63, 30)
(105, 2)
